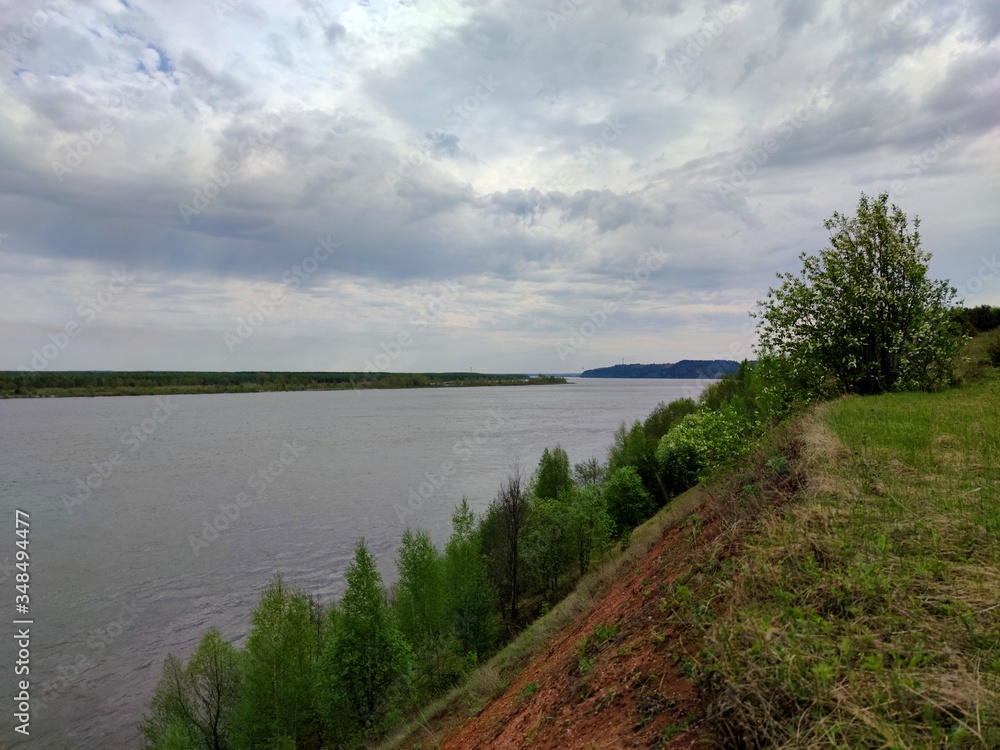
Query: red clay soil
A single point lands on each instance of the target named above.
(632, 691)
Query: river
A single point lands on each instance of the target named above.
(153, 519)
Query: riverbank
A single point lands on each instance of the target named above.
(835, 588)
(67, 384)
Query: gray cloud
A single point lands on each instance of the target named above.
(532, 153)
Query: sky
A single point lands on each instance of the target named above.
(444, 186)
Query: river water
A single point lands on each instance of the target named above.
(152, 519)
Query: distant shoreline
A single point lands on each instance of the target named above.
(98, 384)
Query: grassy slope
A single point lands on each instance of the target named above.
(853, 601)
(868, 613)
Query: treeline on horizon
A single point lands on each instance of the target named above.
(691, 369)
(98, 383)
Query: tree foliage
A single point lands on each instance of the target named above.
(276, 696)
(365, 660)
(553, 474)
(195, 704)
(862, 315)
(628, 501)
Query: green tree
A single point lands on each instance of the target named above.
(631, 447)
(628, 501)
(276, 696)
(366, 662)
(196, 702)
(472, 597)
(502, 532)
(548, 542)
(862, 315)
(590, 526)
(421, 606)
(553, 474)
(664, 416)
(589, 473)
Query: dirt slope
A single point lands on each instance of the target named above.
(612, 679)
(614, 675)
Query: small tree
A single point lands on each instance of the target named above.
(628, 502)
(589, 474)
(276, 694)
(197, 701)
(472, 598)
(502, 532)
(366, 660)
(553, 474)
(862, 314)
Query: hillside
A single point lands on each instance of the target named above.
(840, 588)
(686, 368)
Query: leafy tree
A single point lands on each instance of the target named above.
(548, 543)
(366, 660)
(502, 530)
(862, 315)
(628, 501)
(552, 475)
(472, 597)
(589, 473)
(196, 702)
(421, 606)
(664, 416)
(631, 447)
(590, 526)
(419, 595)
(276, 696)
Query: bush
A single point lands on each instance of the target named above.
(702, 442)
(863, 311)
(993, 351)
(664, 416)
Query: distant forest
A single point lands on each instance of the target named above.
(97, 383)
(686, 368)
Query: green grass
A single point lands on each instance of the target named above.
(868, 613)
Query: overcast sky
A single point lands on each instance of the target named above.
(504, 186)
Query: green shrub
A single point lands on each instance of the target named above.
(702, 442)
(994, 349)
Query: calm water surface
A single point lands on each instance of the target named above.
(149, 560)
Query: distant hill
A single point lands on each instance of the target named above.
(686, 368)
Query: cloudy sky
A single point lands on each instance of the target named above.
(325, 185)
